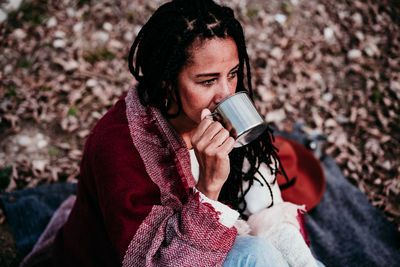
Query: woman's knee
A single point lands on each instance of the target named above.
(253, 251)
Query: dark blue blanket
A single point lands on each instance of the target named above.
(28, 212)
(344, 229)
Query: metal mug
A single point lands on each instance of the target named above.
(239, 116)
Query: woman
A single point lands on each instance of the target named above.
(139, 203)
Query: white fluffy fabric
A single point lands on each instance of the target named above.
(279, 225)
(242, 227)
(284, 212)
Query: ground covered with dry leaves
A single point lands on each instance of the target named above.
(333, 65)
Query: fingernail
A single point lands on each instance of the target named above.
(205, 113)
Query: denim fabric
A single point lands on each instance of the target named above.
(28, 212)
(250, 251)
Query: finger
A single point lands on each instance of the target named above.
(212, 130)
(203, 125)
(205, 113)
(220, 137)
(227, 145)
(201, 128)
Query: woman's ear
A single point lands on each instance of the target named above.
(170, 101)
(171, 95)
(166, 87)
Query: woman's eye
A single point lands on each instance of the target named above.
(208, 82)
(232, 75)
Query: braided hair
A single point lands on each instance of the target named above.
(161, 50)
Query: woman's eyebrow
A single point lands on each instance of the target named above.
(236, 67)
(214, 74)
(207, 75)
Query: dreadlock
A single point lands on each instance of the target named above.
(161, 50)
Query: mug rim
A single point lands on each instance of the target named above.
(225, 99)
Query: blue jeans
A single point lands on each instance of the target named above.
(251, 251)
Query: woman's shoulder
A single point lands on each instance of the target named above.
(109, 146)
(113, 119)
(111, 133)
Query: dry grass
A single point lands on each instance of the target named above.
(333, 66)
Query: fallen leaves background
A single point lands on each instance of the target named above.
(333, 65)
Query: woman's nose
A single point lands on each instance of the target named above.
(224, 90)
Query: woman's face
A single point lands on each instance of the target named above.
(209, 76)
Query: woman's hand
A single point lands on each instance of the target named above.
(212, 144)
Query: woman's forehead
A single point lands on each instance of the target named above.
(210, 51)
